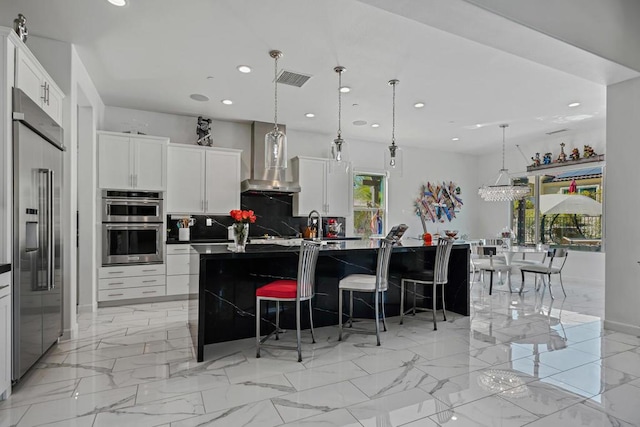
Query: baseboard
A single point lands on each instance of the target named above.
(132, 301)
(622, 327)
(69, 334)
(86, 308)
(583, 279)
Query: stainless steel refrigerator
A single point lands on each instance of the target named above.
(37, 272)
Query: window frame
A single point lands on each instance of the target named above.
(384, 208)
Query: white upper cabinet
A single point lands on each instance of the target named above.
(324, 187)
(38, 85)
(128, 162)
(185, 179)
(203, 180)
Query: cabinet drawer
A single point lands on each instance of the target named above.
(178, 249)
(130, 293)
(130, 282)
(178, 264)
(5, 283)
(179, 285)
(131, 270)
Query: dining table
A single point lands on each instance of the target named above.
(510, 251)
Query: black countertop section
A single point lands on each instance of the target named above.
(197, 241)
(266, 250)
(4, 268)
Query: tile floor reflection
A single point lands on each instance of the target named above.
(517, 360)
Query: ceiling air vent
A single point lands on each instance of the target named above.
(292, 79)
(557, 131)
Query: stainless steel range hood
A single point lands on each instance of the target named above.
(265, 180)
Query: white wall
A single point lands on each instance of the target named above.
(622, 202)
(420, 165)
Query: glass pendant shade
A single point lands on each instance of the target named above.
(275, 152)
(275, 141)
(336, 147)
(503, 190)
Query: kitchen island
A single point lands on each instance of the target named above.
(222, 308)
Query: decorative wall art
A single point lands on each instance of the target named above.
(438, 202)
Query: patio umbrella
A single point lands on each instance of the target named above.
(553, 204)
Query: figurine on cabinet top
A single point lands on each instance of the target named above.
(547, 159)
(536, 160)
(588, 152)
(575, 154)
(562, 157)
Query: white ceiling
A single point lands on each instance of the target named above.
(152, 54)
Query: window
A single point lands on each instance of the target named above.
(563, 220)
(369, 204)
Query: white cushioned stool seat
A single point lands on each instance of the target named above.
(361, 282)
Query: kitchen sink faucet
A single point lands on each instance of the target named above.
(309, 223)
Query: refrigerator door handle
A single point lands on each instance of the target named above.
(51, 229)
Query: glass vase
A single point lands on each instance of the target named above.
(240, 235)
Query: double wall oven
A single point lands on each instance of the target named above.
(132, 227)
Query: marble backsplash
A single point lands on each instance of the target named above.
(274, 217)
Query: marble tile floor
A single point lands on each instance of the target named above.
(517, 360)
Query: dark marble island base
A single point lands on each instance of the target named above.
(223, 306)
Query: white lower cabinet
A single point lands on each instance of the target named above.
(5, 334)
(131, 282)
(179, 262)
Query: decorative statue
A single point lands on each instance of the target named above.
(575, 154)
(20, 27)
(588, 152)
(204, 132)
(547, 159)
(562, 157)
(536, 160)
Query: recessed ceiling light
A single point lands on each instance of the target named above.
(375, 125)
(419, 104)
(199, 97)
(244, 69)
(118, 2)
(574, 104)
(310, 115)
(345, 89)
(455, 139)
(227, 101)
(359, 123)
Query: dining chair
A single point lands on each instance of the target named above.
(370, 283)
(557, 258)
(438, 276)
(493, 265)
(289, 290)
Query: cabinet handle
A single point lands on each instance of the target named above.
(115, 295)
(44, 92)
(149, 281)
(4, 296)
(116, 272)
(5, 286)
(181, 249)
(48, 92)
(149, 292)
(115, 283)
(146, 271)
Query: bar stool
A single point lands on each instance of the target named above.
(433, 278)
(368, 283)
(301, 289)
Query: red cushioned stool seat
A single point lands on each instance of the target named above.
(278, 289)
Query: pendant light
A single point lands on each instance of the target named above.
(503, 190)
(336, 148)
(275, 153)
(393, 147)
